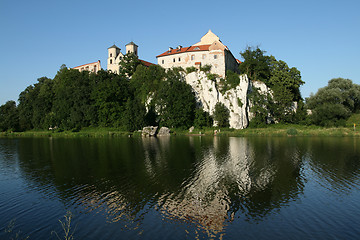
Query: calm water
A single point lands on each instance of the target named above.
(182, 187)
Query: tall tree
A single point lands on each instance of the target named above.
(129, 64)
(333, 104)
(110, 95)
(175, 101)
(26, 99)
(221, 115)
(256, 64)
(9, 117)
(72, 105)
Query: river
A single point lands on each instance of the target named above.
(181, 187)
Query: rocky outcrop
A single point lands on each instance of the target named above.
(149, 131)
(236, 100)
(164, 131)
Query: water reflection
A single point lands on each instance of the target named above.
(201, 183)
(234, 176)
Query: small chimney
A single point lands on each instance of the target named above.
(179, 47)
(170, 48)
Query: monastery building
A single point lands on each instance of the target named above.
(115, 56)
(209, 51)
(91, 67)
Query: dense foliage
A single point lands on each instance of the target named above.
(221, 115)
(131, 100)
(284, 83)
(9, 117)
(333, 104)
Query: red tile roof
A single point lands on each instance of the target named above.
(147, 64)
(87, 64)
(185, 49)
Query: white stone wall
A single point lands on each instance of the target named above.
(236, 100)
(91, 67)
(114, 58)
(185, 60)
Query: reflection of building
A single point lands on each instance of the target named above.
(91, 67)
(209, 51)
(205, 200)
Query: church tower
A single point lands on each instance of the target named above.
(113, 55)
(131, 47)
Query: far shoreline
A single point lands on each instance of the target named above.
(269, 131)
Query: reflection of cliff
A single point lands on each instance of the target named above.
(204, 181)
(230, 175)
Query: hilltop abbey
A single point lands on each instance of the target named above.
(209, 51)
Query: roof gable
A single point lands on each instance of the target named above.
(208, 38)
(185, 49)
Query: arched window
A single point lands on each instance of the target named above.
(110, 61)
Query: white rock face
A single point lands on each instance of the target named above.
(236, 100)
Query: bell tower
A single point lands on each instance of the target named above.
(131, 47)
(113, 53)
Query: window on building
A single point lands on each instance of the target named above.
(192, 57)
(174, 60)
(179, 59)
(162, 61)
(110, 54)
(135, 52)
(215, 56)
(203, 56)
(110, 61)
(94, 68)
(120, 58)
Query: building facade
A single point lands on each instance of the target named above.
(209, 51)
(115, 56)
(91, 67)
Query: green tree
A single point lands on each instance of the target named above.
(146, 81)
(43, 102)
(175, 101)
(333, 104)
(134, 117)
(129, 64)
(73, 105)
(110, 95)
(256, 65)
(202, 118)
(9, 117)
(260, 108)
(283, 81)
(26, 99)
(221, 115)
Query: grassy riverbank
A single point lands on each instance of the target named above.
(271, 130)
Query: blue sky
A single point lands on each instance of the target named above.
(320, 38)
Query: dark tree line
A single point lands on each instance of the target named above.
(334, 104)
(73, 100)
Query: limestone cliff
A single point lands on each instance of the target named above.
(236, 99)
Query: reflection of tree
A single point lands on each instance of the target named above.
(204, 181)
(236, 176)
(336, 161)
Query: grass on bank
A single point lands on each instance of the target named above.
(270, 130)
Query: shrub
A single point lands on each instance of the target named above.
(221, 115)
(190, 69)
